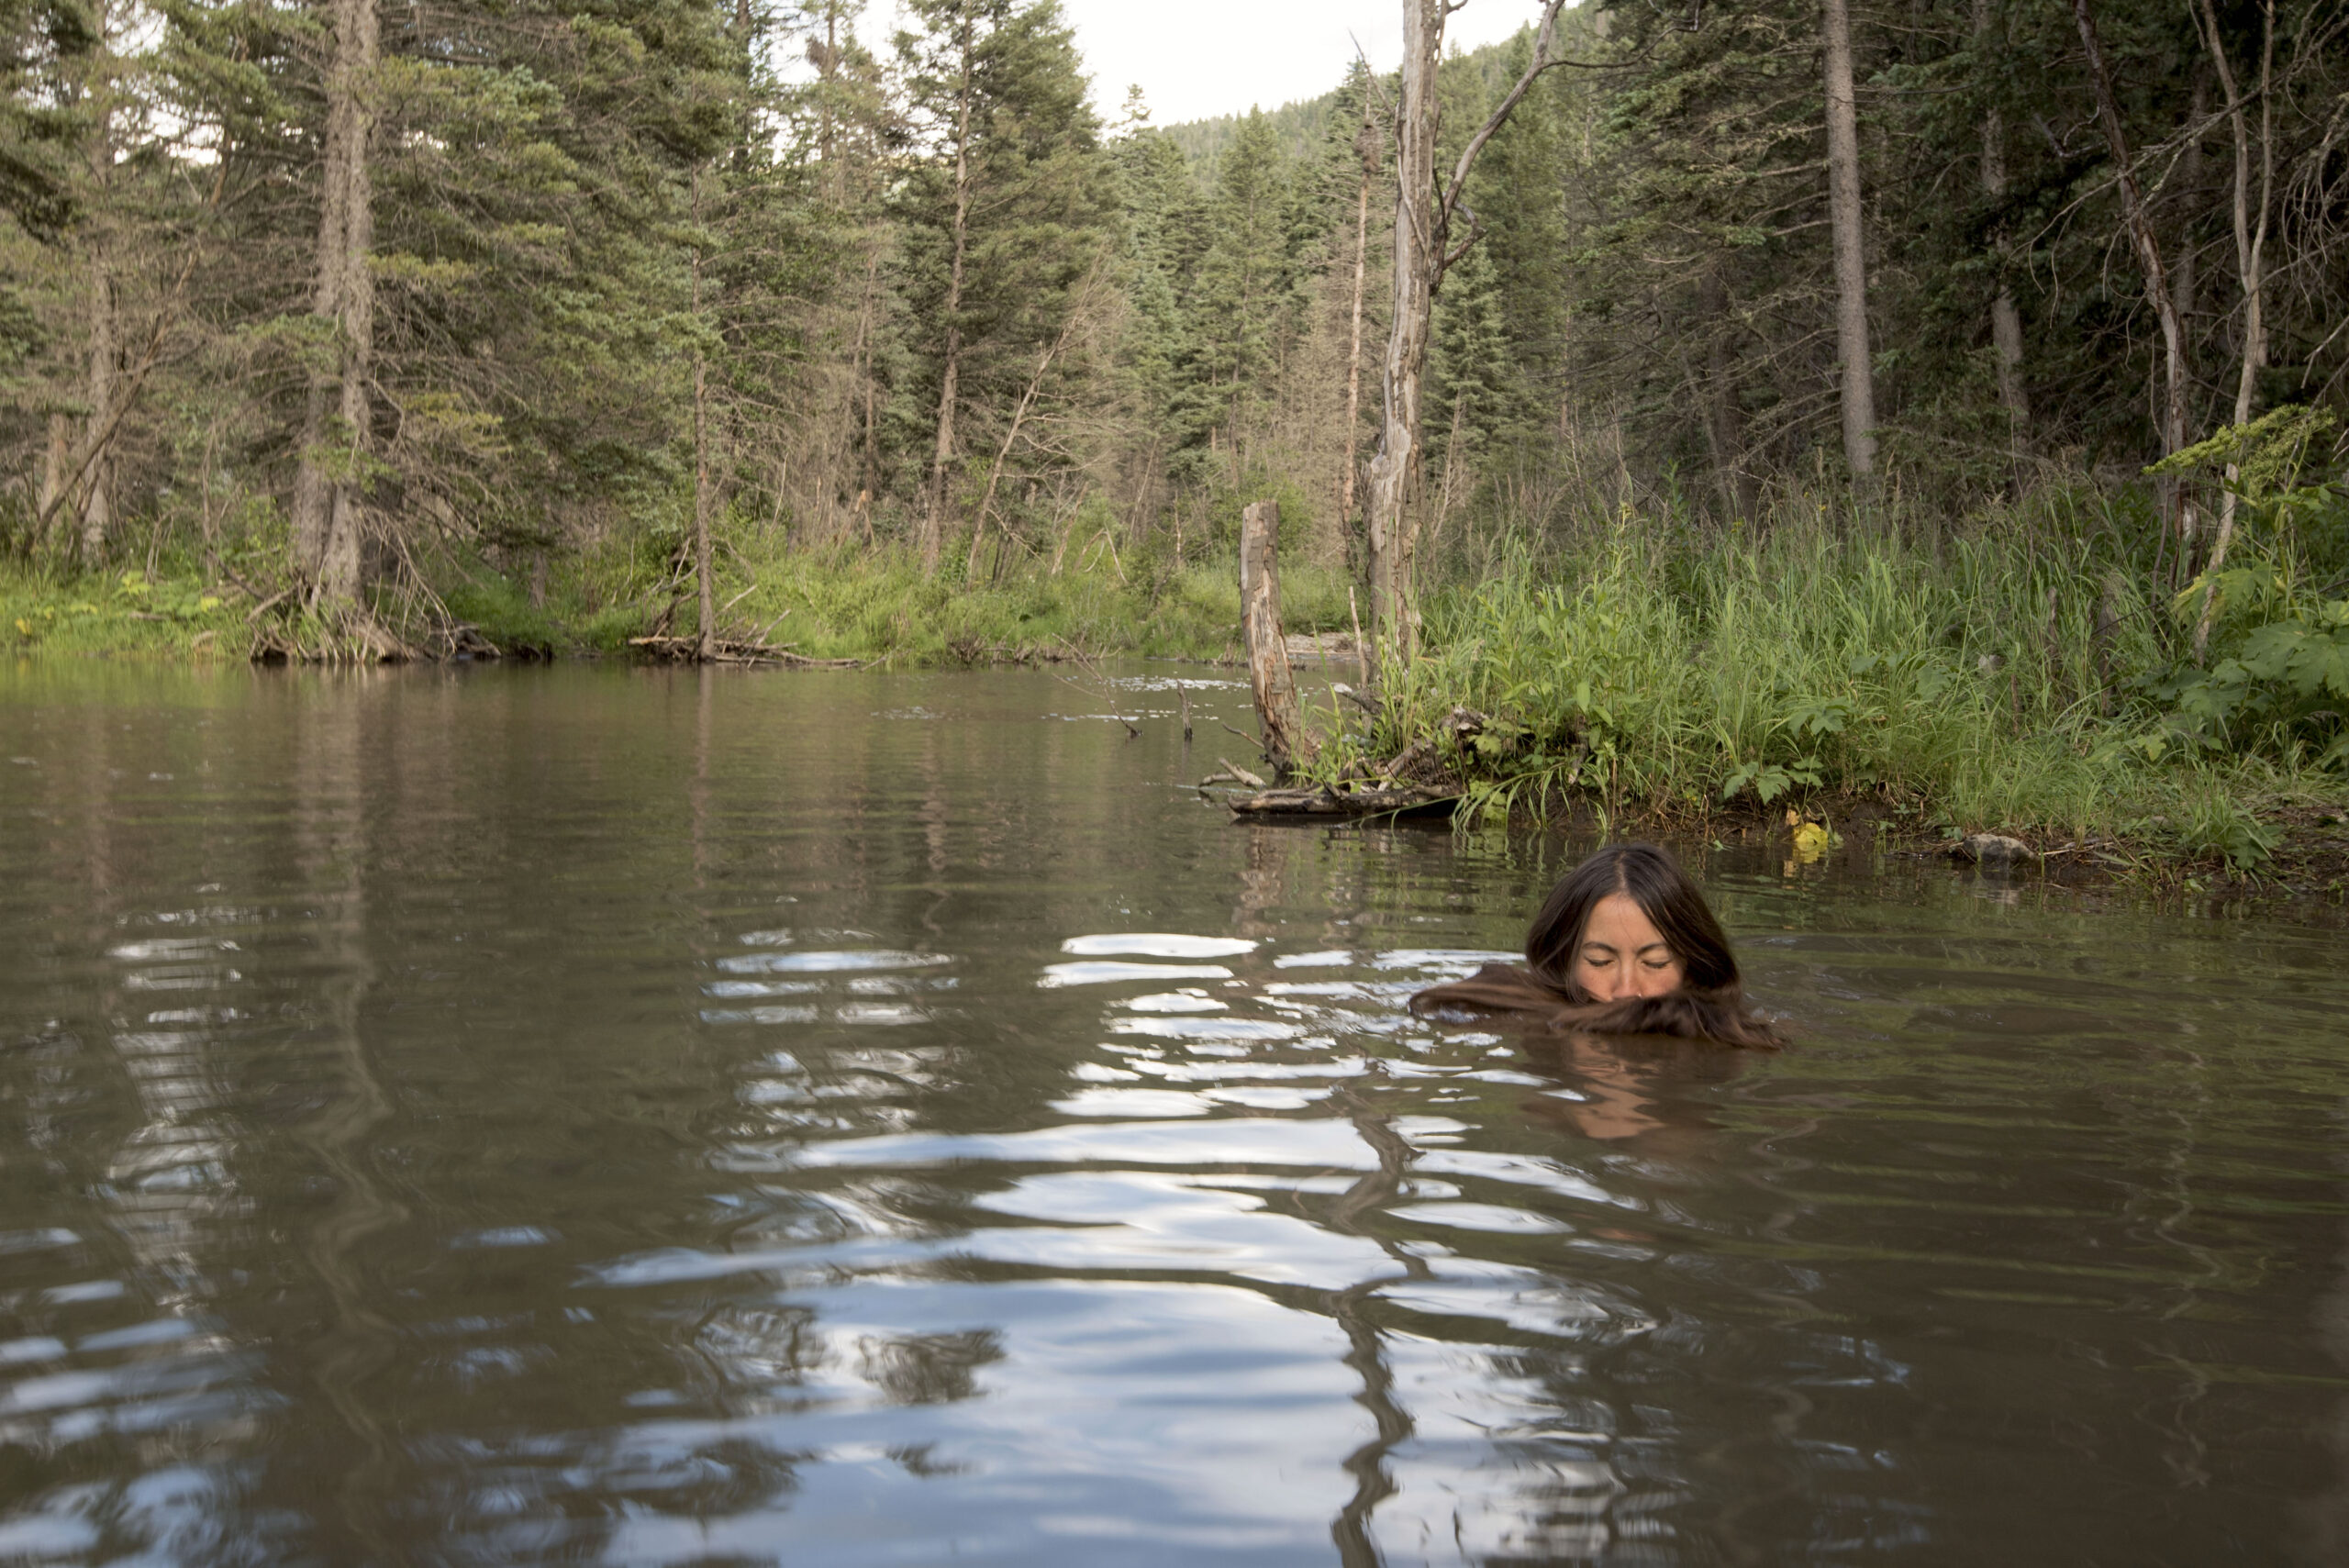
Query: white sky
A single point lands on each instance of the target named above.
(1198, 59)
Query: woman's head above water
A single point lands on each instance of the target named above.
(1625, 945)
(1628, 923)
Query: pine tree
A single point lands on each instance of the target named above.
(1005, 215)
(1471, 374)
(1242, 289)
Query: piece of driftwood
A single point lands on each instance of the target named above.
(1269, 677)
(725, 650)
(1323, 801)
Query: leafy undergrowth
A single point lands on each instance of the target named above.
(123, 613)
(1653, 676)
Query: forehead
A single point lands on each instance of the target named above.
(1617, 921)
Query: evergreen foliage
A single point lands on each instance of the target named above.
(912, 294)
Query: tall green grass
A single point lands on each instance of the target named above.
(2007, 676)
(878, 604)
(1653, 666)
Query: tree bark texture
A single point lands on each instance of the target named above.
(1371, 148)
(327, 501)
(933, 528)
(2005, 320)
(1418, 259)
(1269, 676)
(707, 619)
(105, 344)
(1850, 255)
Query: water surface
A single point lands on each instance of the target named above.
(594, 1115)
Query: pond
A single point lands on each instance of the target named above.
(647, 1116)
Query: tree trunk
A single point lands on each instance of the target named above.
(2251, 246)
(1371, 148)
(933, 528)
(2190, 201)
(56, 472)
(706, 622)
(2141, 235)
(1851, 259)
(97, 482)
(1422, 251)
(1418, 259)
(1269, 676)
(870, 495)
(327, 505)
(105, 345)
(2006, 321)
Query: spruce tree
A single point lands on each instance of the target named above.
(1004, 215)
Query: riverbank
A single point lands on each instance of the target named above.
(1648, 674)
(1940, 689)
(876, 607)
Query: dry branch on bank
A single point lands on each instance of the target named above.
(727, 650)
(1325, 800)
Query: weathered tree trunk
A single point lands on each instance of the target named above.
(56, 470)
(327, 502)
(2251, 246)
(1269, 676)
(933, 528)
(2006, 321)
(97, 495)
(1850, 255)
(1419, 258)
(1423, 249)
(707, 624)
(2141, 235)
(105, 345)
(2191, 199)
(1371, 148)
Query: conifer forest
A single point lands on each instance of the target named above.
(1938, 403)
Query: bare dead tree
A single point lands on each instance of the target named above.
(2251, 246)
(933, 527)
(1424, 250)
(2148, 248)
(1371, 148)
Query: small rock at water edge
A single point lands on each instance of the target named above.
(1995, 849)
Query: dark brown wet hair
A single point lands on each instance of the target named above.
(1709, 1002)
(1651, 878)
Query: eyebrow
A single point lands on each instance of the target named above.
(1589, 942)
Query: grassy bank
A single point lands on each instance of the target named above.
(876, 606)
(2028, 676)
(880, 605)
(2003, 682)
(176, 616)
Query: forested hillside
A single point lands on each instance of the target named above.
(360, 309)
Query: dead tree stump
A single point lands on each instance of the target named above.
(1278, 710)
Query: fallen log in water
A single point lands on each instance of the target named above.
(1320, 800)
(723, 650)
(1269, 679)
